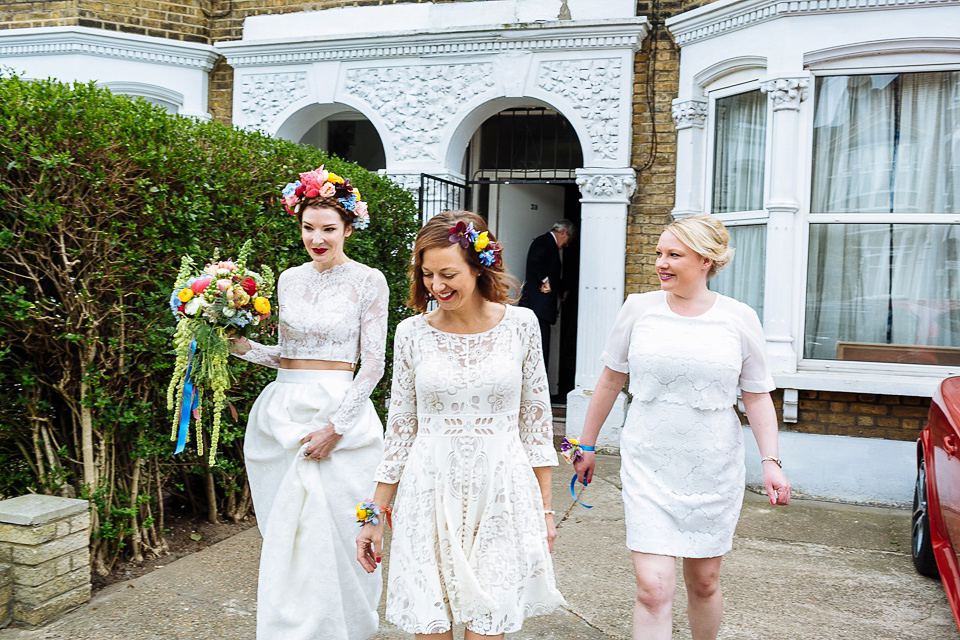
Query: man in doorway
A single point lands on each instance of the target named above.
(544, 287)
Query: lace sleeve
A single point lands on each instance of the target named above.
(402, 419)
(536, 418)
(266, 354)
(373, 345)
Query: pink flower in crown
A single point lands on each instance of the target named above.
(360, 209)
(312, 184)
(328, 190)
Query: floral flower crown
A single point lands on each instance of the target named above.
(326, 184)
(466, 236)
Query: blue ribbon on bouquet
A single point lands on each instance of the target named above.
(189, 402)
(573, 484)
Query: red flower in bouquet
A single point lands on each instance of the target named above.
(249, 285)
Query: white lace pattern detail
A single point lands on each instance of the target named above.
(339, 314)
(469, 419)
(682, 446)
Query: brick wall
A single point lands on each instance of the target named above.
(859, 414)
(37, 13)
(178, 20)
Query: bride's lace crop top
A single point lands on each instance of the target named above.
(339, 314)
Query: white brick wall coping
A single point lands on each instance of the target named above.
(457, 41)
(37, 509)
(36, 41)
(721, 17)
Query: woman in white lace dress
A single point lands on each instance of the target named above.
(313, 440)
(687, 349)
(470, 442)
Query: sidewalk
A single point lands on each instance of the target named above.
(810, 571)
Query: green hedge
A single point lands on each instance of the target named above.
(100, 196)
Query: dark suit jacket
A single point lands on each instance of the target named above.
(543, 261)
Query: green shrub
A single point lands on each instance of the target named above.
(100, 196)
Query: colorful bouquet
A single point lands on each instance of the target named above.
(224, 298)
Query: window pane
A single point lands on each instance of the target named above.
(743, 278)
(738, 158)
(887, 144)
(884, 293)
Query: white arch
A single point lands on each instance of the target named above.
(751, 66)
(454, 144)
(168, 98)
(292, 123)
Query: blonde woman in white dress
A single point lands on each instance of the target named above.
(687, 349)
(468, 450)
(313, 439)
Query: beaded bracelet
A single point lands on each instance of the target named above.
(370, 512)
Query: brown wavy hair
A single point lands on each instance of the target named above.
(493, 282)
(327, 203)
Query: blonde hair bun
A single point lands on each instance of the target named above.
(707, 236)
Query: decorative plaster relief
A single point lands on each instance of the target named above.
(416, 103)
(606, 187)
(593, 87)
(786, 93)
(264, 96)
(409, 181)
(691, 113)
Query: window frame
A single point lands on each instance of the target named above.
(806, 218)
(754, 217)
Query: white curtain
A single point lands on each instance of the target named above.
(885, 144)
(743, 278)
(738, 159)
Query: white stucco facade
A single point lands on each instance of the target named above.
(171, 73)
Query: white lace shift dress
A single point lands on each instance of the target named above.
(469, 419)
(682, 445)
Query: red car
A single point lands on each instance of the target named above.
(935, 533)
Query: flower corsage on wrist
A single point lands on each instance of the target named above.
(572, 452)
(370, 512)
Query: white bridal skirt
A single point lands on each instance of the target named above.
(311, 586)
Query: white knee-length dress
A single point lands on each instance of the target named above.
(469, 419)
(681, 450)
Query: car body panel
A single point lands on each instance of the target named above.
(940, 444)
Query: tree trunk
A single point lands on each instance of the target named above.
(86, 416)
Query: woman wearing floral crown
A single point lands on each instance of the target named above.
(313, 440)
(468, 450)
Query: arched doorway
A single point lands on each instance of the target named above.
(339, 130)
(520, 166)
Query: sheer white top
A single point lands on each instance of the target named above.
(754, 376)
(339, 314)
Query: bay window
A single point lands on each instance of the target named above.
(883, 276)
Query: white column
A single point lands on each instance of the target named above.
(603, 247)
(783, 202)
(689, 116)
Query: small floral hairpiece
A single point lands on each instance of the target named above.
(326, 184)
(466, 236)
(370, 512)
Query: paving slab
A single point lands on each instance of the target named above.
(810, 571)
